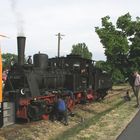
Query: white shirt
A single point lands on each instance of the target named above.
(137, 80)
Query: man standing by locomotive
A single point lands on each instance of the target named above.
(137, 87)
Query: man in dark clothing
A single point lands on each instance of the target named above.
(62, 111)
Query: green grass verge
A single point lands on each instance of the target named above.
(90, 121)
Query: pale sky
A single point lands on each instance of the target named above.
(41, 20)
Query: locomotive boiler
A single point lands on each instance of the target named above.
(32, 87)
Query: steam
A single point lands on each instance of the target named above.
(19, 18)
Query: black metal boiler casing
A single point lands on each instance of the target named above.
(72, 73)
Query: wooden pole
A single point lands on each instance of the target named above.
(59, 38)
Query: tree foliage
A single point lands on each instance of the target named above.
(117, 76)
(81, 49)
(7, 58)
(121, 43)
(103, 65)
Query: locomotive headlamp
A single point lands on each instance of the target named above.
(22, 91)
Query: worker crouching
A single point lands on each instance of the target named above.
(61, 110)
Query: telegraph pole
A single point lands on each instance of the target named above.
(59, 38)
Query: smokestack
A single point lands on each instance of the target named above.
(21, 48)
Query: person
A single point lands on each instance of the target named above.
(29, 61)
(12, 61)
(52, 115)
(127, 96)
(62, 110)
(137, 87)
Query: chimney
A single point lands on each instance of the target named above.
(21, 48)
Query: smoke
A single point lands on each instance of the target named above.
(18, 16)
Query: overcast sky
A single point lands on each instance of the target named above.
(41, 20)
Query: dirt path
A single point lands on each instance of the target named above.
(102, 121)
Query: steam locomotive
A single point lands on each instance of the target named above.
(32, 88)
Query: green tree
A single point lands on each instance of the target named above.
(103, 65)
(117, 76)
(7, 58)
(81, 49)
(121, 43)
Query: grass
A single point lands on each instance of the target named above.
(103, 125)
(110, 125)
(91, 121)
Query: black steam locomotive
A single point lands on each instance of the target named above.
(33, 87)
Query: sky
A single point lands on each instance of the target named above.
(41, 20)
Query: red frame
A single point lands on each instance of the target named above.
(23, 103)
